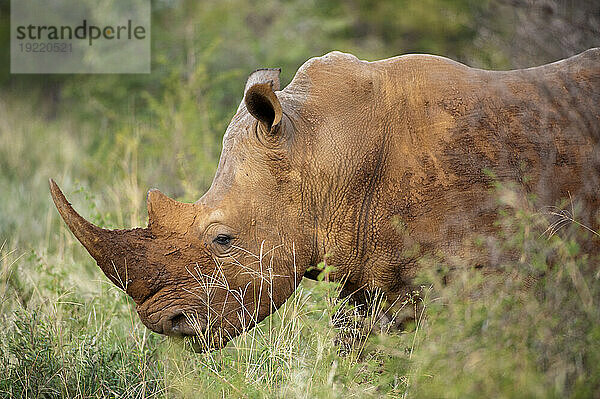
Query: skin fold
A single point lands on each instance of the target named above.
(367, 165)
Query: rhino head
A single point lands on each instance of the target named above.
(215, 268)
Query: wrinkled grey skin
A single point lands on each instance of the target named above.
(372, 164)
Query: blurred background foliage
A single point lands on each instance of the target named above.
(69, 333)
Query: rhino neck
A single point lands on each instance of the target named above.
(353, 171)
(347, 217)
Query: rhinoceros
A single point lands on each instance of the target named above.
(366, 165)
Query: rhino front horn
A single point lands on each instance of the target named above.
(119, 253)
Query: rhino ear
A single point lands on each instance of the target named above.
(263, 104)
(261, 100)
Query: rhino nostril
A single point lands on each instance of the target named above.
(182, 325)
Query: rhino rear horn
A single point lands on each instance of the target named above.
(165, 215)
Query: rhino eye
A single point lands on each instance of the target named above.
(222, 239)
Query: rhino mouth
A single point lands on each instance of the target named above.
(192, 330)
(179, 325)
(186, 329)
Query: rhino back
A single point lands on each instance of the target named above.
(536, 127)
(414, 144)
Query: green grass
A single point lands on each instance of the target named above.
(69, 333)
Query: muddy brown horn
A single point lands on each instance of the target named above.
(115, 251)
(87, 233)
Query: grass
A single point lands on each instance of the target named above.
(69, 333)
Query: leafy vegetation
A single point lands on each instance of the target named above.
(69, 333)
